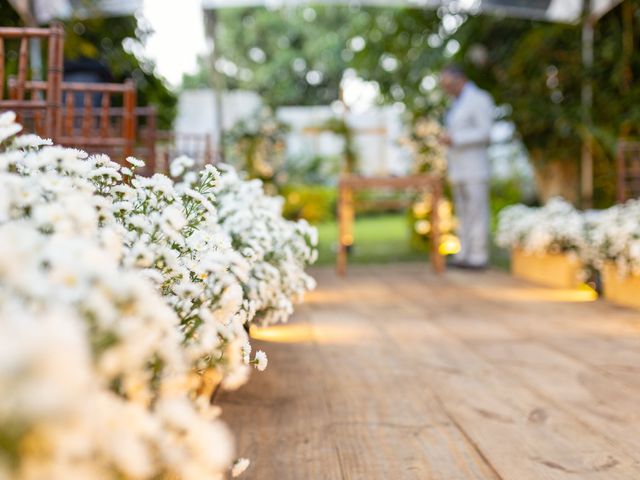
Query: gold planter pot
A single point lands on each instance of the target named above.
(551, 270)
(621, 290)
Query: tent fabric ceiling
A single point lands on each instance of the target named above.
(563, 11)
(47, 10)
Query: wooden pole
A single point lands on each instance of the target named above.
(586, 165)
(129, 118)
(152, 134)
(343, 228)
(437, 260)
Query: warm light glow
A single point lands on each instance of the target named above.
(291, 333)
(449, 245)
(422, 227)
(584, 293)
(347, 239)
(446, 224)
(326, 332)
(420, 209)
(445, 209)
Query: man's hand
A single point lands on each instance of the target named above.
(445, 139)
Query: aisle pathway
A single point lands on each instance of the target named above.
(395, 373)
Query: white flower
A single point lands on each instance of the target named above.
(174, 217)
(31, 141)
(7, 126)
(135, 162)
(180, 165)
(261, 360)
(239, 467)
(7, 118)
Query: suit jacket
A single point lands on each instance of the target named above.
(468, 122)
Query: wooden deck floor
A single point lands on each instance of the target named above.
(393, 373)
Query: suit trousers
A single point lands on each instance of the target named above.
(471, 202)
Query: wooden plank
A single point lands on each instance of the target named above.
(355, 395)
(23, 59)
(497, 410)
(573, 386)
(380, 409)
(597, 334)
(280, 421)
(398, 373)
(412, 181)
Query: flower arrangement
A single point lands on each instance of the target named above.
(117, 293)
(423, 141)
(613, 235)
(594, 237)
(555, 228)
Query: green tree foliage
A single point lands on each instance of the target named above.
(538, 74)
(402, 51)
(532, 69)
(291, 56)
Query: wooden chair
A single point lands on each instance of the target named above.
(99, 128)
(628, 169)
(38, 109)
(97, 117)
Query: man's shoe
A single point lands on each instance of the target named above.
(474, 267)
(454, 262)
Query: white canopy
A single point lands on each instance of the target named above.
(564, 11)
(43, 11)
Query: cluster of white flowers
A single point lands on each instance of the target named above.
(555, 228)
(613, 235)
(278, 250)
(595, 236)
(118, 294)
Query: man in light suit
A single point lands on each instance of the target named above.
(468, 125)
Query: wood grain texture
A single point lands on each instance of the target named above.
(395, 372)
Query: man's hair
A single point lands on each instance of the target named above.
(455, 70)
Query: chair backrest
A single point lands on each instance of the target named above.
(628, 169)
(99, 117)
(41, 106)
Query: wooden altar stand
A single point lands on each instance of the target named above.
(350, 184)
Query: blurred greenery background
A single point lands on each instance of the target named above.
(533, 70)
(299, 55)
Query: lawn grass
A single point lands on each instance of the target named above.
(381, 239)
(378, 239)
